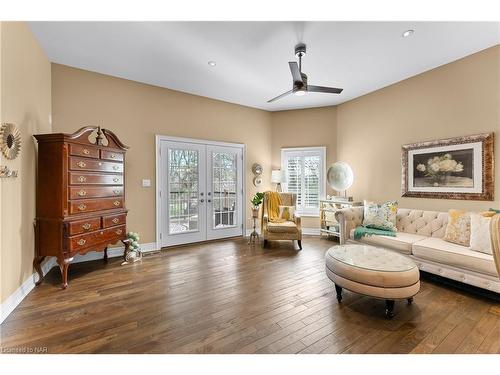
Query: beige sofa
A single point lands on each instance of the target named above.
(420, 236)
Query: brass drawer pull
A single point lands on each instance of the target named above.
(119, 231)
(116, 203)
(116, 179)
(82, 207)
(116, 192)
(116, 167)
(85, 151)
(82, 193)
(82, 179)
(81, 164)
(81, 242)
(86, 226)
(112, 156)
(115, 220)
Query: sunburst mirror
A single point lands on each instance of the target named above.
(10, 141)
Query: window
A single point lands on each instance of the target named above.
(305, 172)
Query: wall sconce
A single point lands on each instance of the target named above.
(5, 172)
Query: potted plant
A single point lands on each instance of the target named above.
(256, 202)
(134, 253)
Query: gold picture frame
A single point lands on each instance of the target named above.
(452, 168)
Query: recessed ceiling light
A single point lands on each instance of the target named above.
(407, 33)
(212, 63)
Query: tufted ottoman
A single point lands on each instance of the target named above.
(373, 271)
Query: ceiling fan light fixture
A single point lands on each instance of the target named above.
(300, 92)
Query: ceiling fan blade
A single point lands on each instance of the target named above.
(328, 90)
(280, 96)
(294, 68)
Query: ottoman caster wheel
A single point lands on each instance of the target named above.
(410, 300)
(338, 289)
(389, 309)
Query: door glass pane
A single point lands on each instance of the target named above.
(224, 189)
(183, 192)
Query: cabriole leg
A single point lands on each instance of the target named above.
(38, 268)
(63, 266)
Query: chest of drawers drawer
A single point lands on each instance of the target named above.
(90, 205)
(86, 178)
(111, 155)
(81, 150)
(112, 220)
(80, 192)
(83, 164)
(83, 226)
(97, 237)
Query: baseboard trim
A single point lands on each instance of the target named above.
(311, 231)
(112, 253)
(306, 231)
(27, 286)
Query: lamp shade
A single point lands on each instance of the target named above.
(278, 177)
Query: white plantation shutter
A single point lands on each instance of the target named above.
(305, 169)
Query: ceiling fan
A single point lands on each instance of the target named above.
(300, 86)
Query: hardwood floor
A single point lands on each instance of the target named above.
(230, 297)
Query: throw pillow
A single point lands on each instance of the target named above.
(480, 238)
(458, 228)
(381, 216)
(495, 210)
(287, 212)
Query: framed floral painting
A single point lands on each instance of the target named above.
(454, 168)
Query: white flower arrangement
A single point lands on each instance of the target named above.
(440, 166)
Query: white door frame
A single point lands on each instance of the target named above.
(158, 139)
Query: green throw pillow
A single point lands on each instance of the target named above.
(495, 210)
(381, 216)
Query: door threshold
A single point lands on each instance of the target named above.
(201, 242)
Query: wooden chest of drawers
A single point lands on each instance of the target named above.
(80, 195)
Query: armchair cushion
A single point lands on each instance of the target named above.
(284, 227)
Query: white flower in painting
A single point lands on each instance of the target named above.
(434, 167)
(459, 167)
(421, 168)
(434, 160)
(447, 165)
(447, 156)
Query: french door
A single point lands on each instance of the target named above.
(200, 191)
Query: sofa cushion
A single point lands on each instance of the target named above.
(440, 251)
(402, 242)
(284, 227)
(424, 223)
(380, 216)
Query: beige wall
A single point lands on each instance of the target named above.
(136, 112)
(305, 128)
(25, 101)
(460, 98)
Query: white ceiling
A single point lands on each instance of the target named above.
(252, 57)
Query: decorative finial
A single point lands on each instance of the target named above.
(98, 138)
